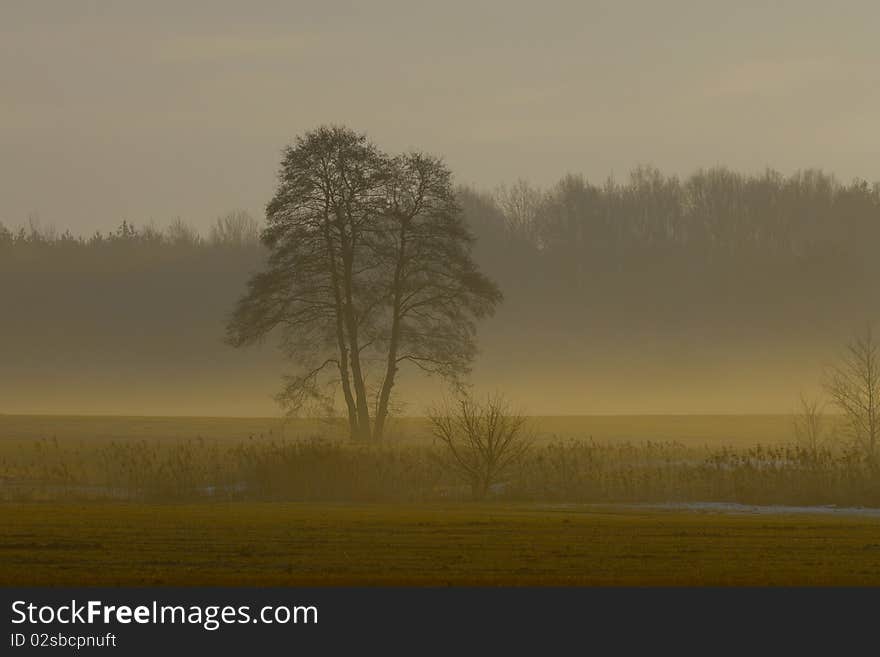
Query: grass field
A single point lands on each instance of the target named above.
(438, 542)
(298, 544)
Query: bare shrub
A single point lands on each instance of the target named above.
(236, 228)
(809, 424)
(482, 441)
(854, 387)
(180, 233)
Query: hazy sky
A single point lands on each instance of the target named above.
(150, 110)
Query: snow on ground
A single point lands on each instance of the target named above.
(749, 509)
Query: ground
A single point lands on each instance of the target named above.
(306, 544)
(247, 543)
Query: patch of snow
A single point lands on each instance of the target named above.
(755, 509)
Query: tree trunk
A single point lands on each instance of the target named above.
(394, 340)
(353, 423)
(479, 489)
(360, 390)
(346, 391)
(387, 384)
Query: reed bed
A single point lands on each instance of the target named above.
(321, 470)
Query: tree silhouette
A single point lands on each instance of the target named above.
(854, 387)
(369, 268)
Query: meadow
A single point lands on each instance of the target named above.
(285, 544)
(598, 501)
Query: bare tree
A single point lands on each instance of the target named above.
(369, 268)
(854, 387)
(315, 288)
(181, 233)
(809, 424)
(522, 204)
(5, 235)
(435, 291)
(482, 441)
(236, 228)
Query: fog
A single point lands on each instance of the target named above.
(718, 293)
(722, 281)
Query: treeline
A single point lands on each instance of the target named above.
(235, 229)
(577, 228)
(713, 213)
(712, 247)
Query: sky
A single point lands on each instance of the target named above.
(147, 111)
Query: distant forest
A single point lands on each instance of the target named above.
(632, 295)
